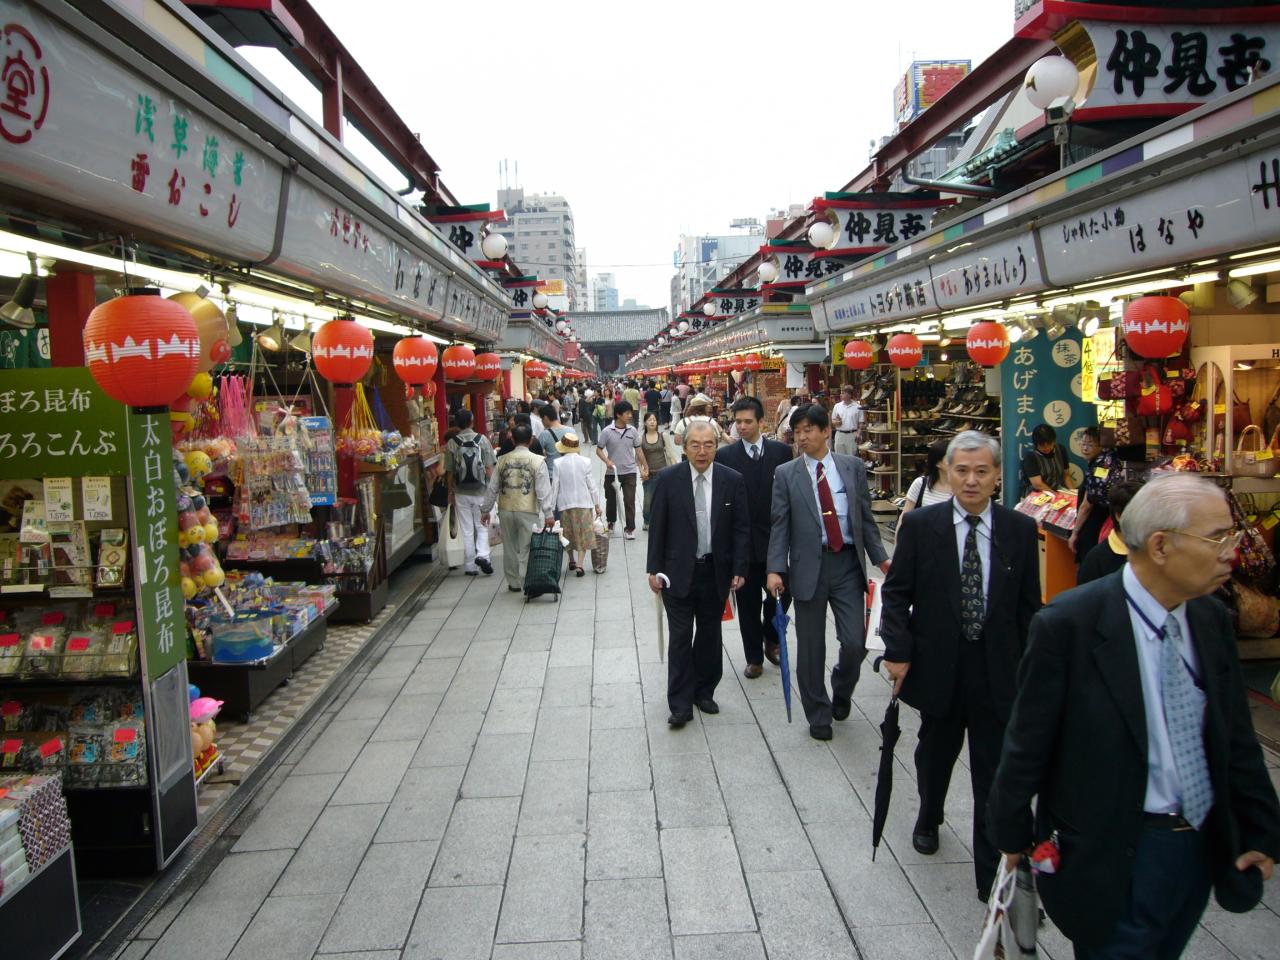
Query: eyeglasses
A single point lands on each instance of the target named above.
(1226, 543)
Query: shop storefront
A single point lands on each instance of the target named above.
(152, 543)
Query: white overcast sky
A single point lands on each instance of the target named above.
(653, 119)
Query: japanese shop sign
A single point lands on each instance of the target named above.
(153, 503)
(58, 422)
(732, 303)
(995, 271)
(895, 297)
(1191, 218)
(86, 130)
(869, 222)
(1041, 382)
(796, 265)
(1161, 65)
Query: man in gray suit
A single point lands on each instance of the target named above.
(822, 531)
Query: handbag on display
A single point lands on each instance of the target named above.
(1254, 456)
(1271, 416)
(1124, 385)
(1240, 417)
(1181, 381)
(1156, 397)
(1257, 614)
(1254, 558)
(1129, 431)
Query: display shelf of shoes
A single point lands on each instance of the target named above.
(882, 432)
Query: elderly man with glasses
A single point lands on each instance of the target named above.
(1132, 730)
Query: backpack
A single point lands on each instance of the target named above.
(468, 467)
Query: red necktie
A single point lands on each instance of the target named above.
(835, 540)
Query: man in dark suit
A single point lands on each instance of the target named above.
(756, 459)
(957, 606)
(699, 547)
(821, 535)
(1132, 728)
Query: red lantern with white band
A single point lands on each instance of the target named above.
(753, 362)
(987, 343)
(415, 360)
(535, 370)
(342, 350)
(1156, 327)
(142, 349)
(459, 362)
(858, 355)
(905, 350)
(488, 366)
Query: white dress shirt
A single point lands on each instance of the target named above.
(706, 496)
(850, 415)
(754, 450)
(1164, 788)
(958, 514)
(839, 497)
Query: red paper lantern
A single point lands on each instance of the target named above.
(459, 362)
(415, 360)
(987, 343)
(1156, 327)
(905, 350)
(858, 355)
(142, 349)
(342, 350)
(535, 370)
(753, 362)
(488, 366)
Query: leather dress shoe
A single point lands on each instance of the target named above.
(707, 705)
(820, 731)
(840, 708)
(925, 839)
(772, 653)
(678, 720)
(752, 670)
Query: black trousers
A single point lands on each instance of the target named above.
(755, 613)
(611, 509)
(693, 648)
(1167, 897)
(940, 740)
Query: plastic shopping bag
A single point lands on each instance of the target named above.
(1013, 915)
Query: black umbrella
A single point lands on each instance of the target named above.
(889, 733)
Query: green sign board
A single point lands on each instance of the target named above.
(153, 504)
(59, 423)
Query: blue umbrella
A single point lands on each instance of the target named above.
(780, 623)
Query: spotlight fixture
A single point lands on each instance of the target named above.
(1240, 293)
(302, 340)
(272, 338)
(17, 312)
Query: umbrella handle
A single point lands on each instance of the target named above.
(875, 664)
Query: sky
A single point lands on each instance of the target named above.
(653, 120)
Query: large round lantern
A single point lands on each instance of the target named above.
(535, 370)
(905, 350)
(459, 362)
(142, 349)
(1156, 327)
(858, 354)
(211, 324)
(752, 362)
(987, 343)
(488, 366)
(415, 360)
(342, 350)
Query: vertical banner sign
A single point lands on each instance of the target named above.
(1041, 382)
(153, 501)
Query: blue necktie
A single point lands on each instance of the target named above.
(1184, 719)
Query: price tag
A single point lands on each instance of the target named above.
(124, 626)
(78, 644)
(1101, 473)
(1219, 408)
(1261, 455)
(125, 735)
(53, 618)
(42, 641)
(10, 708)
(9, 639)
(1270, 521)
(50, 747)
(11, 746)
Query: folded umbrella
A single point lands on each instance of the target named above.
(780, 623)
(889, 733)
(657, 602)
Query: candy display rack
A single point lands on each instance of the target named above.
(99, 695)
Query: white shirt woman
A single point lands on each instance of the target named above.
(575, 484)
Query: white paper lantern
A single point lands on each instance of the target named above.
(493, 246)
(822, 234)
(1050, 78)
(709, 308)
(767, 271)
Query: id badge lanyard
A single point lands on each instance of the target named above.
(1160, 634)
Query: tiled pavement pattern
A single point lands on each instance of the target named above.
(502, 785)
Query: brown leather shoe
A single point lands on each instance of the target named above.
(771, 653)
(752, 670)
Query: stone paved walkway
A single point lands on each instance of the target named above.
(502, 785)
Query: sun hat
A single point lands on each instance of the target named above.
(568, 443)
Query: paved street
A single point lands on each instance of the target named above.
(501, 783)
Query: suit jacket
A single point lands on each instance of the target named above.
(795, 537)
(758, 476)
(920, 617)
(673, 528)
(1078, 739)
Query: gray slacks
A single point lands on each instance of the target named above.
(843, 585)
(517, 534)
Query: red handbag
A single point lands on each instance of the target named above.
(1156, 398)
(1176, 431)
(1122, 386)
(1240, 417)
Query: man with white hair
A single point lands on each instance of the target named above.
(1132, 729)
(958, 603)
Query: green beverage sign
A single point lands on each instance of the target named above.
(59, 423)
(153, 501)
